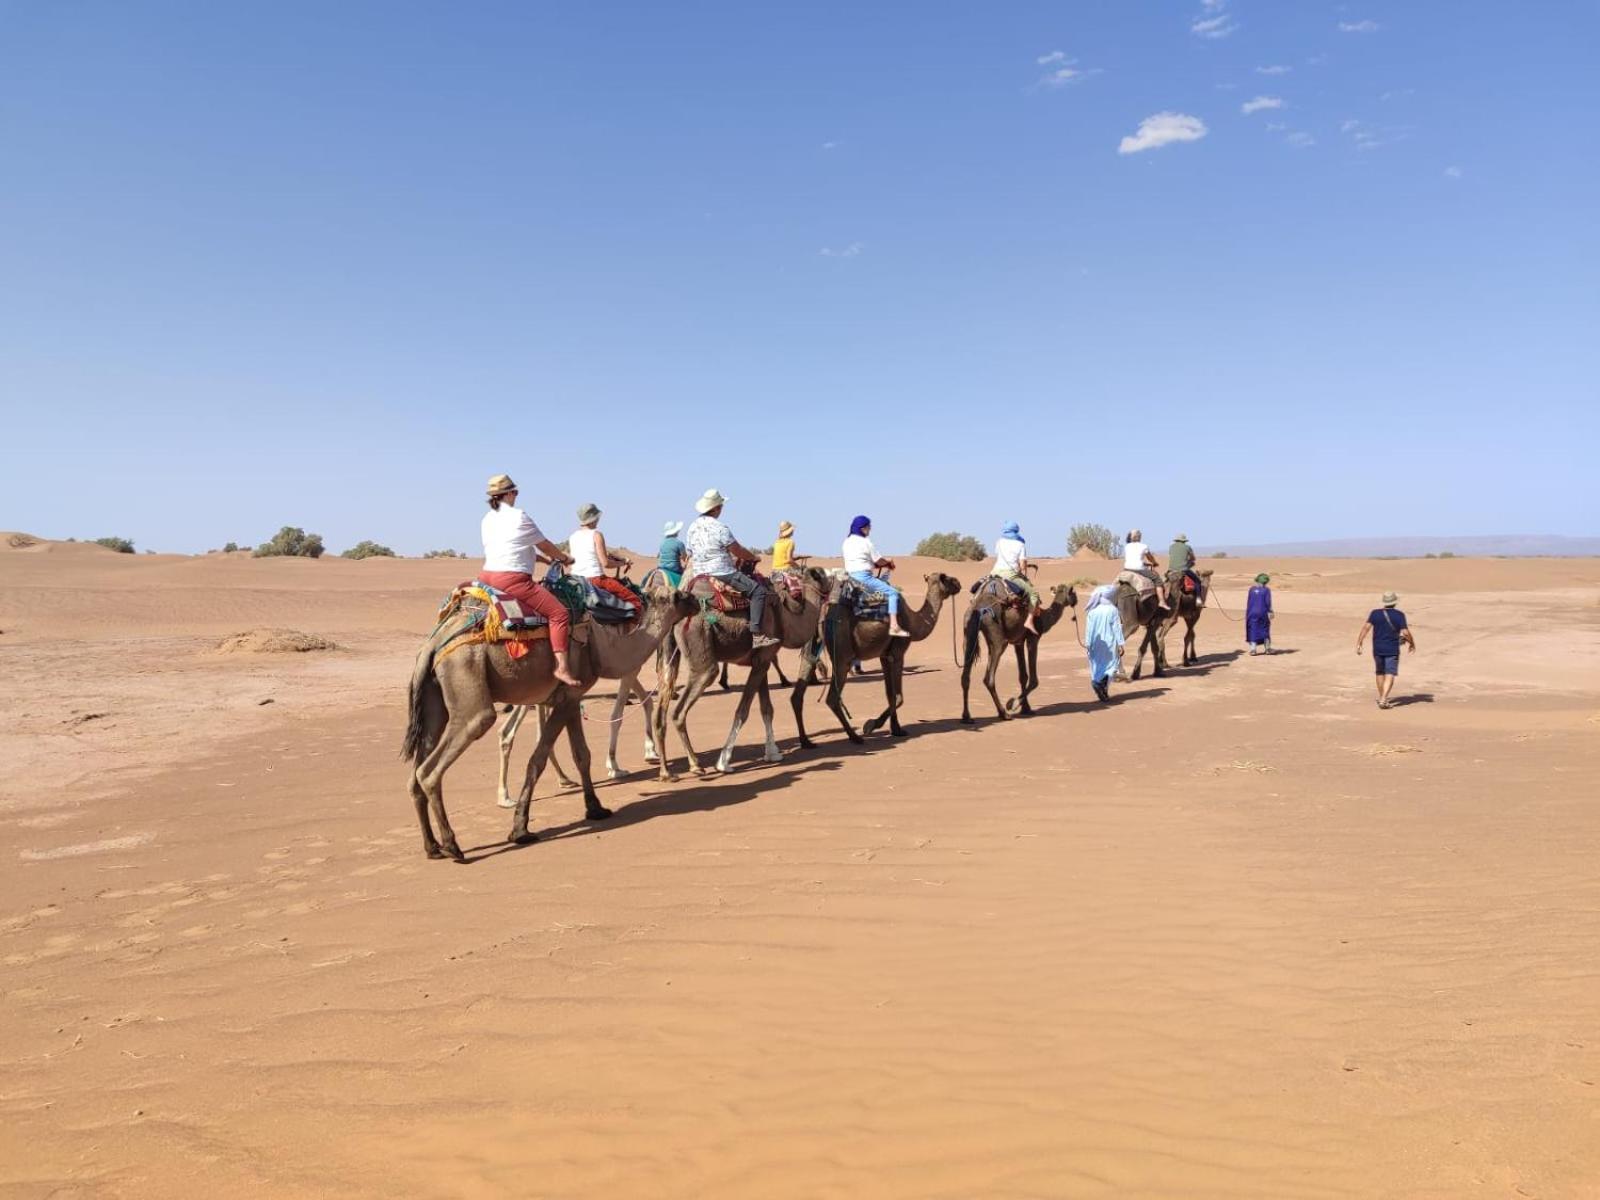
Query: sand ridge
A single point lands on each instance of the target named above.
(1239, 934)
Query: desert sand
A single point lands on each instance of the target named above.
(1239, 934)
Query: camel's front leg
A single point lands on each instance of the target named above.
(625, 688)
(551, 721)
(770, 753)
(758, 671)
(680, 714)
(508, 737)
(645, 698)
(592, 808)
(797, 699)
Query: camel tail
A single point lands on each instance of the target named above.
(970, 654)
(412, 748)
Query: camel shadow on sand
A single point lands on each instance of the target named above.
(671, 800)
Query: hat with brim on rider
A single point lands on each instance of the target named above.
(588, 514)
(712, 499)
(672, 529)
(499, 485)
(785, 529)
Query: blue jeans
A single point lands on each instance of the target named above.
(873, 584)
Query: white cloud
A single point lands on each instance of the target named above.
(1213, 27)
(1349, 125)
(850, 251)
(1301, 138)
(1453, 172)
(1367, 26)
(1259, 103)
(1163, 129)
(1055, 56)
(1276, 126)
(1398, 93)
(1062, 76)
(1213, 5)
(830, 145)
(1273, 70)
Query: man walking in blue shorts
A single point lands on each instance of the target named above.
(1389, 629)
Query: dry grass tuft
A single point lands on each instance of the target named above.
(273, 641)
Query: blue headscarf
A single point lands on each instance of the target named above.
(858, 525)
(1013, 530)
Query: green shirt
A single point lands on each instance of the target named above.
(1180, 557)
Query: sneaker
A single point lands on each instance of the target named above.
(898, 633)
(761, 641)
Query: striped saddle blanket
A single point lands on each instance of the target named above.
(865, 603)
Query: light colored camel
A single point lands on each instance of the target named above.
(655, 584)
(1189, 609)
(702, 645)
(861, 640)
(1000, 625)
(452, 704)
(1142, 610)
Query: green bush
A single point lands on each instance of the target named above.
(120, 545)
(368, 549)
(952, 547)
(444, 554)
(1219, 554)
(230, 547)
(1097, 537)
(1447, 554)
(291, 542)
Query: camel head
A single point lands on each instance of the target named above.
(1065, 595)
(1207, 573)
(673, 606)
(946, 585)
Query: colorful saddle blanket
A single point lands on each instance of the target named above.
(788, 583)
(1008, 590)
(606, 606)
(500, 611)
(866, 604)
(713, 593)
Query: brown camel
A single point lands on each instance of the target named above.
(1142, 610)
(452, 704)
(703, 643)
(1001, 624)
(655, 584)
(1186, 606)
(850, 640)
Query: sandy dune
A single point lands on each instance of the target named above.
(1239, 934)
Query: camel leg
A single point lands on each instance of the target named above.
(969, 655)
(797, 698)
(625, 688)
(650, 755)
(994, 635)
(579, 742)
(680, 713)
(476, 718)
(892, 660)
(666, 686)
(508, 737)
(723, 681)
(783, 680)
(434, 718)
(757, 676)
(550, 726)
(770, 752)
(1031, 645)
(1020, 650)
(841, 650)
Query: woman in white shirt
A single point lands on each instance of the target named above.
(861, 560)
(511, 543)
(591, 557)
(1011, 563)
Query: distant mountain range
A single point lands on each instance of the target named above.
(1511, 545)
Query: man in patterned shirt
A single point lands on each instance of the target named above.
(714, 551)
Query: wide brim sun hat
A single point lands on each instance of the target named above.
(671, 528)
(712, 499)
(785, 529)
(587, 513)
(1390, 599)
(499, 484)
(1182, 537)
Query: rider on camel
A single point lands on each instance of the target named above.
(591, 557)
(714, 551)
(511, 543)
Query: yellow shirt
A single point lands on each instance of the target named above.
(783, 554)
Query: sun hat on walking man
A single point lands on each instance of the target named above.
(1389, 628)
(714, 551)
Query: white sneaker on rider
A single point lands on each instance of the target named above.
(761, 641)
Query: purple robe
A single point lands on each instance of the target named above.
(1257, 625)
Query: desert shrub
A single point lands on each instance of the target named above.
(444, 554)
(230, 547)
(120, 545)
(291, 542)
(1097, 537)
(1447, 554)
(952, 547)
(1219, 554)
(368, 549)
(1430, 554)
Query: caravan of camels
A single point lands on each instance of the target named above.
(509, 639)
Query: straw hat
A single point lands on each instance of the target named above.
(501, 483)
(785, 528)
(712, 499)
(671, 529)
(588, 514)
(1390, 599)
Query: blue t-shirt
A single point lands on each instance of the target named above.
(671, 548)
(1386, 626)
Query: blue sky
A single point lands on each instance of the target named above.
(946, 264)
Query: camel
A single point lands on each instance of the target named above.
(867, 639)
(703, 644)
(452, 704)
(1001, 625)
(1188, 608)
(1142, 610)
(628, 689)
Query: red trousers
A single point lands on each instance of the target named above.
(519, 586)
